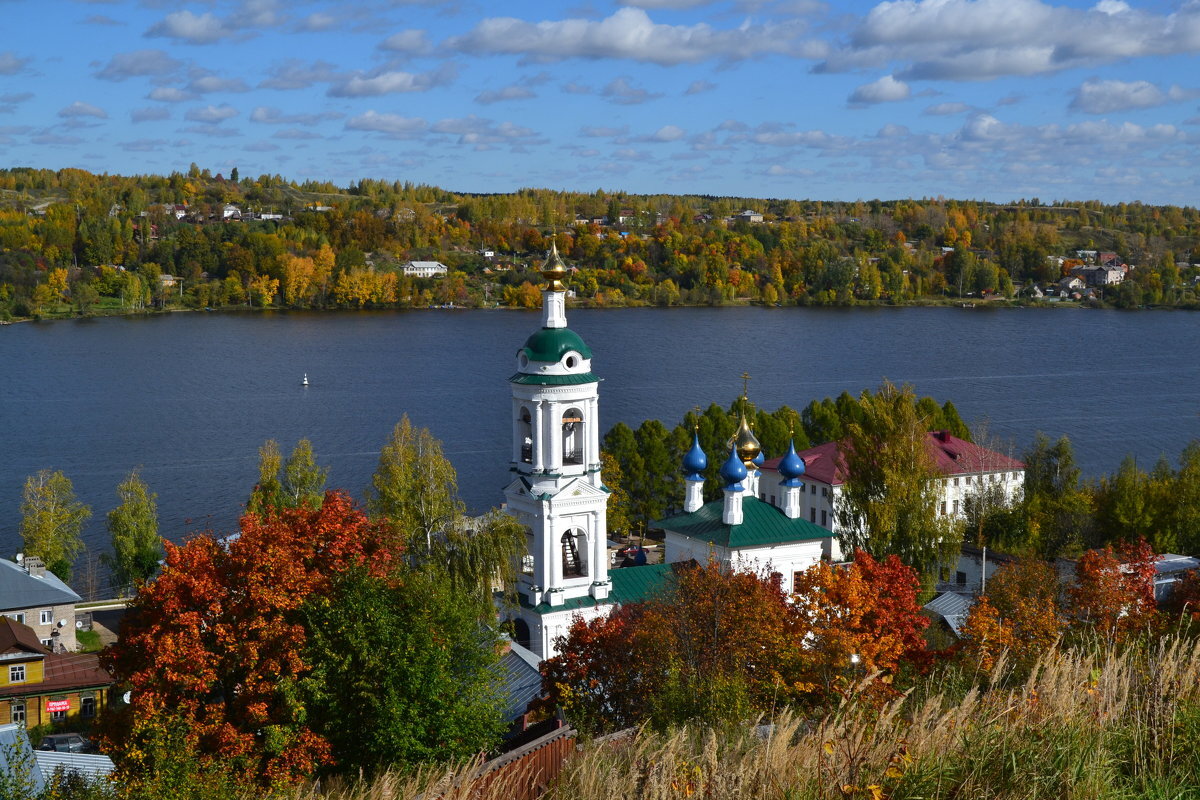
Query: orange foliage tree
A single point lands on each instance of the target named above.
(1019, 613)
(868, 610)
(1113, 592)
(216, 643)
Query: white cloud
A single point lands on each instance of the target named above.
(316, 23)
(211, 114)
(667, 133)
(139, 63)
(411, 42)
(1106, 97)
(603, 132)
(394, 82)
(946, 109)
(295, 74)
(984, 39)
(699, 87)
(149, 114)
(577, 88)
(184, 26)
(885, 90)
(81, 109)
(513, 92)
(391, 125)
(170, 94)
(206, 83)
(477, 130)
(630, 34)
(11, 64)
(621, 91)
(273, 116)
(143, 145)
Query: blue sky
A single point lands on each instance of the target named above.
(988, 99)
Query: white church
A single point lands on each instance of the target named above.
(558, 494)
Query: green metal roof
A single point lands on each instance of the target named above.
(551, 344)
(762, 524)
(629, 585)
(553, 380)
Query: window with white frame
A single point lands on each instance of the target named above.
(16, 711)
(58, 716)
(87, 705)
(46, 617)
(18, 616)
(16, 673)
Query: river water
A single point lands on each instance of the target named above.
(190, 397)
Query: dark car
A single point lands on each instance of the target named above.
(65, 743)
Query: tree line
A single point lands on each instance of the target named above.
(75, 242)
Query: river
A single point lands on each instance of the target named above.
(190, 397)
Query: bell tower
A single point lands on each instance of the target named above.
(557, 491)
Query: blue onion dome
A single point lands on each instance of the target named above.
(733, 471)
(695, 462)
(759, 460)
(791, 466)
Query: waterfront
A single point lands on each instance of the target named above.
(190, 397)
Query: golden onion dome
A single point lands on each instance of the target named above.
(747, 444)
(554, 271)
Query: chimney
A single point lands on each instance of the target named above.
(35, 566)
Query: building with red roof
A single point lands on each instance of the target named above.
(965, 466)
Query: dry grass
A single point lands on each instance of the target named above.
(1087, 724)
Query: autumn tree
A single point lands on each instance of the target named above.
(133, 526)
(862, 617)
(299, 481)
(217, 641)
(1018, 613)
(889, 499)
(52, 520)
(1113, 591)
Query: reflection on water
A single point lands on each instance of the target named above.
(190, 397)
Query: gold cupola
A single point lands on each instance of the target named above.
(554, 271)
(747, 444)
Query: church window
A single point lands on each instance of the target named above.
(572, 436)
(824, 518)
(812, 514)
(525, 431)
(574, 554)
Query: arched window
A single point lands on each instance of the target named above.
(572, 436)
(574, 554)
(521, 633)
(525, 431)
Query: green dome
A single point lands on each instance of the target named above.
(549, 345)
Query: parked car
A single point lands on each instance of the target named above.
(65, 743)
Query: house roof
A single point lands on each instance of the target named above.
(952, 607)
(17, 638)
(520, 680)
(17, 762)
(629, 585)
(91, 766)
(19, 589)
(63, 672)
(951, 456)
(762, 524)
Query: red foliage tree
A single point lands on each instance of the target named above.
(867, 611)
(1113, 592)
(1019, 613)
(217, 644)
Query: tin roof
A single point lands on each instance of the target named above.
(762, 524)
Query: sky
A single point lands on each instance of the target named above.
(973, 99)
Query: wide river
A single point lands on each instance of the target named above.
(190, 397)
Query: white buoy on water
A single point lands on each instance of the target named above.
(305, 381)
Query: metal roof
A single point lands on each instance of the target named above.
(762, 524)
(629, 585)
(520, 680)
(19, 589)
(91, 766)
(953, 608)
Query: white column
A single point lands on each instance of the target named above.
(600, 582)
(792, 496)
(537, 426)
(732, 513)
(554, 309)
(693, 497)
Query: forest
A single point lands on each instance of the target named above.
(76, 243)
